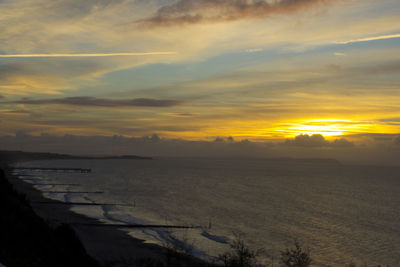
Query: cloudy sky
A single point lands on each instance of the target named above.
(256, 70)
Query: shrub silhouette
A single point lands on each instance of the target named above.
(239, 256)
(295, 257)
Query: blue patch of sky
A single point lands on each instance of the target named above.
(158, 75)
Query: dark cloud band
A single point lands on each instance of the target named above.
(198, 11)
(316, 140)
(101, 102)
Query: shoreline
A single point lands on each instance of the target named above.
(108, 245)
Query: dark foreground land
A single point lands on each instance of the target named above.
(26, 240)
(35, 233)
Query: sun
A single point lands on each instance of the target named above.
(325, 127)
(327, 130)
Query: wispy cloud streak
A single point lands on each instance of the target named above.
(88, 55)
(368, 39)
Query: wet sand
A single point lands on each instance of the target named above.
(105, 244)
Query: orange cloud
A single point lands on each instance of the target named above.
(199, 11)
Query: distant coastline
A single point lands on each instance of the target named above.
(309, 160)
(12, 156)
(16, 155)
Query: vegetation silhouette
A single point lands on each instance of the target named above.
(240, 255)
(296, 256)
(26, 239)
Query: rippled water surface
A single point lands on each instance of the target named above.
(342, 213)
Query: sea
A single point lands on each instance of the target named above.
(339, 213)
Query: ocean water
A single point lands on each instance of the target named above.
(342, 213)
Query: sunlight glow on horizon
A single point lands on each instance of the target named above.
(327, 127)
(330, 128)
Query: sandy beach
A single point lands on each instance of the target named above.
(107, 244)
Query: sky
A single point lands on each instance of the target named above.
(270, 72)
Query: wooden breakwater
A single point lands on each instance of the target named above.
(78, 203)
(56, 184)
(140, 225)
(81, 170)
(71, 192)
